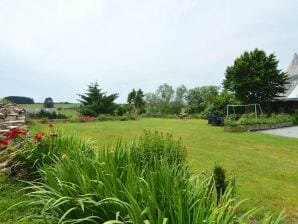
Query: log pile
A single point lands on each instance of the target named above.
(11, 117)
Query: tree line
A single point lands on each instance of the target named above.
(254, 77)
(166, 100)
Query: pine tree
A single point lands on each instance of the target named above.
(95, 102)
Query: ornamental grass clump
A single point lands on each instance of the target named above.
(146, 182)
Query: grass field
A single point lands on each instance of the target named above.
(57, 105)
(265, 166)
(67, 109)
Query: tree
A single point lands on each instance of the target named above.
(95, 102)
(48, 103)
(20, 99)
(160, 102)
(255, 78)
(200, 97)
(179, 102)
(218, 107)
(165, 93)
(136, 99)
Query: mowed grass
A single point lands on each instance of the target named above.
(265, 166)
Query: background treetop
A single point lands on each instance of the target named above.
(255, 78)
(95, 102)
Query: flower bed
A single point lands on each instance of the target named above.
(251, 123)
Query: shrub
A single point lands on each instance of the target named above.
(47, 115)
(155, 147)
(108, 117)
(86, 118)
(221, 184)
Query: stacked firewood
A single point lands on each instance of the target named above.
(12, 117)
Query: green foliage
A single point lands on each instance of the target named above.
(166, 101)
(221, 184)
(250, 119)
(146, 182)
(108, 117)
(46, 114)
(295, 117)
(95, 102)
(155, 147)
(179, 102)
(159, 103)
(44, 149)
(255, 78)
(48, 103)
(218, 107)
(200, 97)
(136, 99)
(19, 99)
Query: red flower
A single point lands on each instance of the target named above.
(4, 142)
(39, 135)
(14, 132)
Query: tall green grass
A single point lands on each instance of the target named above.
(148, 181)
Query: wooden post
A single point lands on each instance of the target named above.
(256, 112)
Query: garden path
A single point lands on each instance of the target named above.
(287, 132)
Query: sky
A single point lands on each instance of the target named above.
(56, 48)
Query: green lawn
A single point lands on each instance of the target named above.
(265, 166)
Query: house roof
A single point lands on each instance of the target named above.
(293, 67)
(292, 88)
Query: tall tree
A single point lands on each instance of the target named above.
(48, 103)
(95, 102)
(165, 92)
(180, 99)
(136, 99)
(199, 98)
(160, 102)
(255, 78)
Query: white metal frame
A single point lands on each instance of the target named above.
(247, 105)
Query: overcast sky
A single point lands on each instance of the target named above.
(57, 47)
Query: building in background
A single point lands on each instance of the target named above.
(288, 101)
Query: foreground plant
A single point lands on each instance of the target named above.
(46, 148)
(146, 182)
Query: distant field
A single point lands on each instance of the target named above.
(64, 108)
(265, 166)
(57, 105)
